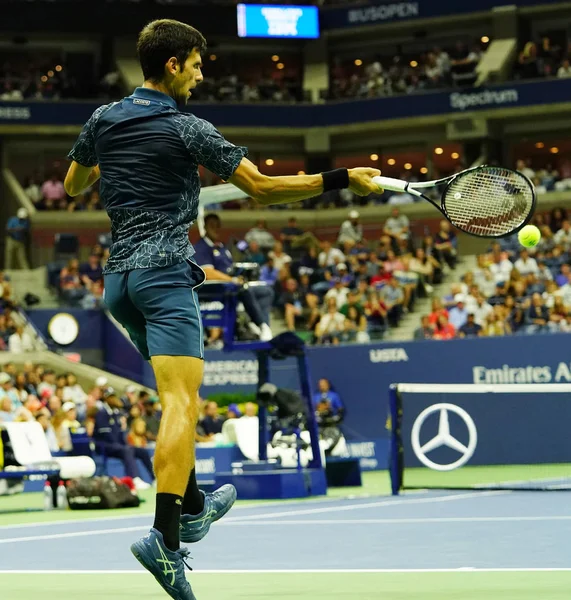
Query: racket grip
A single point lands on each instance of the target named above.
(388, 183)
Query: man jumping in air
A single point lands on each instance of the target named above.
(147, 154)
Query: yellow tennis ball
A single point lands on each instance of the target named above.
(529, 236)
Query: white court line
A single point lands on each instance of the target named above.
(269, 504)
(246, 519)
(60, 536)
(276, 503)
(463, 570)
(417, 521)
(314, 511)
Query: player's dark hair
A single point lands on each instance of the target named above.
(211, 217)
(163, 39)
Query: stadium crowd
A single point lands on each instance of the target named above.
(544, 58)
(512, 290)
(350, 290)
(382, 76)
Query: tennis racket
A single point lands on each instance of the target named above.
(490, 202)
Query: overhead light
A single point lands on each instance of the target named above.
(407, 166)
(413, 63)
(374, 157)
(50, 73)
(438, 150)
(455, 155)
(540, 145)
(391, 162)
(554, 150)
(59, 68)
(270, 162)
(275, 58)
(424, 170)
(358, 62)
(213, 57)
(280, 66)
(484, 39)
(301, 172)
(44, 79)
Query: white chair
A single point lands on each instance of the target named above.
(31, 450)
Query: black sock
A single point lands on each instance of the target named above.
(167, 519)
(193, 501)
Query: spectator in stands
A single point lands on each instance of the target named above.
(557, 314)
(269, 274)
(397, 225)
(32, 191)
(137, 435)
(339, 292)
(355, 327)
(43, 418)
(63, 434)
(437, 311)
(425, 331)
(458, 316)
(290, 233)
(443, 330)
(329, 256)
(17, 232)
(70, 420)
(107, 426)
(217, 262)
(495, 326)
(397, 198)
(351, 230)
(463, 64)
(445, 243)
(332, 398)
(73, 391)
(20, 341)
(563, 277)
(517, 320)
(409, 282)
(526, 265)
(151, 417)
(537, 315)
(501, 268)
(254, 254)
(212, 421)
(376, 313)
(299, 308)
(70, 282)
(331, 325)
(261, 236)
(556, 218)
(427, 267)
(564, 71)
(563, 236)
(280, 258)
(470, 327)
(91, 271)
(53, 192)
(393, 297)
(47, 383)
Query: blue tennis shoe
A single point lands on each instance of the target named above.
(166, 566)
(194, 527)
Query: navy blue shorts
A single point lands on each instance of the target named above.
(159, 308)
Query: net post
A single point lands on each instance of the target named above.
(395, 446)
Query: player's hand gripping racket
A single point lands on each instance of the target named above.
(484, 201)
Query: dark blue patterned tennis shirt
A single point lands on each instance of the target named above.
(148, 153)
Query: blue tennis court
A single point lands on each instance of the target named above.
(449, 537)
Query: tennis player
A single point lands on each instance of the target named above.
(147, 153)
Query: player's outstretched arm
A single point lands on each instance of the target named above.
(293, 188)
(79, 178)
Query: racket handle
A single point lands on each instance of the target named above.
(388, 183)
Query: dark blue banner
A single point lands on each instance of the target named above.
(303, 116)
(375, 13)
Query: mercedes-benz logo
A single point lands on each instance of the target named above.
(444, 437)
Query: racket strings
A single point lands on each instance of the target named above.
(489, 202)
